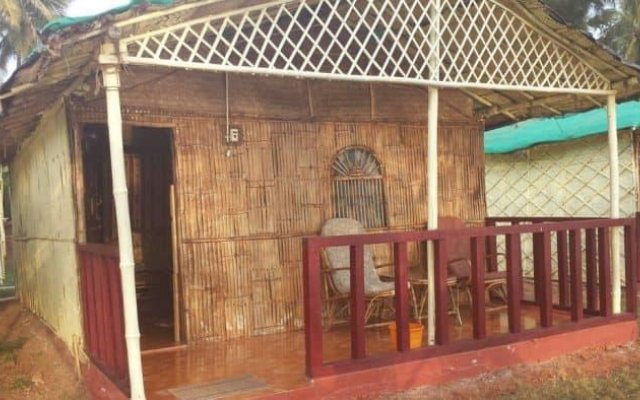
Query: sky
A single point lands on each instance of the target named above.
(89, 7)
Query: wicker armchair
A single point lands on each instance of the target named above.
(337, 278)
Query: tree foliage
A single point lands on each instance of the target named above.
(583, 14)
(615, 23)
(20, 21)
(622, 33)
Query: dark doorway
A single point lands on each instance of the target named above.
(149, 172)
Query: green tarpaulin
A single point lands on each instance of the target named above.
(531, 132)
(65, 22)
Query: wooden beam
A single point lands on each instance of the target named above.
(515, 107)
(487, 103)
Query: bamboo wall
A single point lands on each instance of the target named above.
(567, 179)
(44, 228)
(241, 217)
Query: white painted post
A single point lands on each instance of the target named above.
(111, 81)
(3, 239)
(432, 163)
(614, 170)
(432, 204)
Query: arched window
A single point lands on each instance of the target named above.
(358, 188)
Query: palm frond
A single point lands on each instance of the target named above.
(11, 13)
(20, 21)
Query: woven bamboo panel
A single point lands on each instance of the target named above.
(243, 222)
(242, 216)
(569, 179)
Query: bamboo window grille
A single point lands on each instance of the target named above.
(358, 190)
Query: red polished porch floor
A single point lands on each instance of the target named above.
(278, 359)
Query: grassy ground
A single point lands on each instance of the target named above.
(32, 366)
(618, 384)
(599, 373)
(620, 381)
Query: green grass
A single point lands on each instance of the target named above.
(21, 383)
(9, 348)
(620, 383)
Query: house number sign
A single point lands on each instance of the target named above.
(233, 136)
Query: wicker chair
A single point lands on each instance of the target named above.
(459, 264)
(336, 271)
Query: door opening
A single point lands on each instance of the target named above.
(149, 170)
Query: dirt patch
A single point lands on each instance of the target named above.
(32, 365)
(590, 374)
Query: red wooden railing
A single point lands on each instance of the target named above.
(561, 242)
(492, 250)
(103, 311)
(597, 262)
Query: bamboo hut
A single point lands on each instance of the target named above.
(168, 159)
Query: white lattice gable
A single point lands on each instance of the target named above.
(461, 43)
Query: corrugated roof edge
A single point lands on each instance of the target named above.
(533, 132)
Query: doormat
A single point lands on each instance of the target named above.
(218, 389)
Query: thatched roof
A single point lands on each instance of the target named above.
(71, 60)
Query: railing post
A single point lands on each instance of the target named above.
(631, 258)
(514, 278)
(542, 266)
(312, 307)
(358, 345)
(477, 288)
(592, 270)
(108, 313)
(402, 293)
(604, 266)
(575, 265)
(563, 268)
(117, 321)
(442, 295)
(90, 314)
(100, 308)
(520, 280)
(492, 248)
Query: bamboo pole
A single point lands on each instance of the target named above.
(614, 170)
(111, 81)
(176, 271)
(3, 240)
(432, 164)
(432, 200)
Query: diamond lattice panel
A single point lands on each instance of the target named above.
(479, 44)
(568, 179)
(485, 43)
(560, 180)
